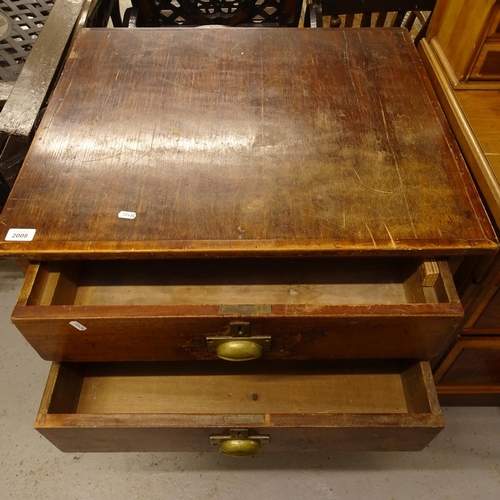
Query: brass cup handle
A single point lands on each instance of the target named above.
(239, 447)
(239, 443)
(239, 350)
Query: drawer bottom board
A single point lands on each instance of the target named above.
(179, 406)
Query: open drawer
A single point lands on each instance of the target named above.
(278, 406)
(238, 309)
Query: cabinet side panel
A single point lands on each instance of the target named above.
(459, 26)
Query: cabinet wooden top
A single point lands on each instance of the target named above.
(231, 142)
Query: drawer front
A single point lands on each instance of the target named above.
(486, 317)
(174, 310)
(199, 406)
(470, 374)
(472, 361)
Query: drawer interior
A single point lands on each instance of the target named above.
(214, 387)
(239, 281)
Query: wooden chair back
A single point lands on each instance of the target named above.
(411, 14)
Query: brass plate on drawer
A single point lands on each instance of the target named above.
(245, 418)
(245, 309)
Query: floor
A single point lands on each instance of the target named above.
(463, 462)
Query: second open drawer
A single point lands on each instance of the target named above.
(186, 309)
(279, 406)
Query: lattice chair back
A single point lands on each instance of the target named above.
(222, 12)
(20, 23)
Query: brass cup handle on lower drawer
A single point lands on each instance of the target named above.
(239, 349)
(239, 443)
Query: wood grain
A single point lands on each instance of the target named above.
(245, 142)
(206, 389)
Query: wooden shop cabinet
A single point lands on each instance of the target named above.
(467, 369)
(200, 196)
(465, 35)
(469, 372)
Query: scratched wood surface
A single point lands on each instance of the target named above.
(244, 142)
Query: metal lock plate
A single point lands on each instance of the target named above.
(239, 329)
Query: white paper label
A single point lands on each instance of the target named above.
(77, 325)
(127, 215)
(20, 234)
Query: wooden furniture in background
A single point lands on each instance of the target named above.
(379, 13)
(191, 188)
(465, 35)
(156, 13)
(468, 371)
(28, 94)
